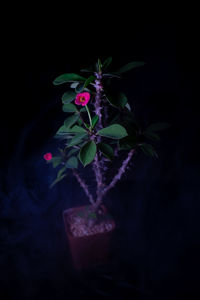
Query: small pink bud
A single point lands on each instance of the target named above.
(47, 156)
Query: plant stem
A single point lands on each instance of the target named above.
(121, 170)
(96, 164)
(99, 177)
(97, 104)
(84, 186)
(89, 116)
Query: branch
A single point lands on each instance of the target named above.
(83, 185)
(98, 174)
(121, 170)
(97, 104)
(96, 164)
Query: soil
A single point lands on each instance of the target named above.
(86, 223)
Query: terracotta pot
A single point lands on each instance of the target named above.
(88, 251)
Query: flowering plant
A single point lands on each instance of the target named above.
(99, 128)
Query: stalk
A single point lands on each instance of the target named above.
(84, 186)
(96, 164)
(120, 172)
(89, 116)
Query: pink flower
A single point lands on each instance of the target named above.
(82, 98)
(48, 156)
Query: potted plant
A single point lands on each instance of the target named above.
(100, 131)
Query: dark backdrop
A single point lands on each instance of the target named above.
(156, 205)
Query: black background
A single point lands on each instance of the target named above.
(156, 205)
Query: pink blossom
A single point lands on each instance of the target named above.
(48, 156)
(82, 98)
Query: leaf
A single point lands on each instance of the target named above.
(95, 119)
(56, 160)
(99, 65)
(71, 120)
(130, 66)
(111, 75)
(83, 109)
(90, 69)
(74, 85)
(151, 135)
(80, 122)
(61, 171)
(87, 153)
(128, 106)
(79, 88)
(76, 139)
(72, 151)
(69, 108)
(59, 177)
(77, 129)
(57, 180)
(117, 99)
(158, 126)
(68, 97)
(72, 163)
(149, 150)
(114, 131)
(107, 150)
(107, 62)
(68, 77)
(88, 81)
(63, 130)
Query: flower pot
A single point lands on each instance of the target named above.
(88, 250)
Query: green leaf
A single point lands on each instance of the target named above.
(79, 88)
(74, 85)
(107, 62)
(61, 171)
(99, 65)
(151, 135)
(83, 109)
(107, 150)
(56, 160)
(72, 163)
(77, 129)
(69, 108)
(117, 99)
(95, 119)
(90, 69)
(72, 151)
(68, 77)
(111, 75)
(63, 130)
(57, 180)
(130, 66)
(68, 97)
(149, 150)
(80, 122)
(60, 176)
(114, 131)
(158, 126)
(88, 81)
(128, 106)
(71, 120)
(87, 153)
(77, 139)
